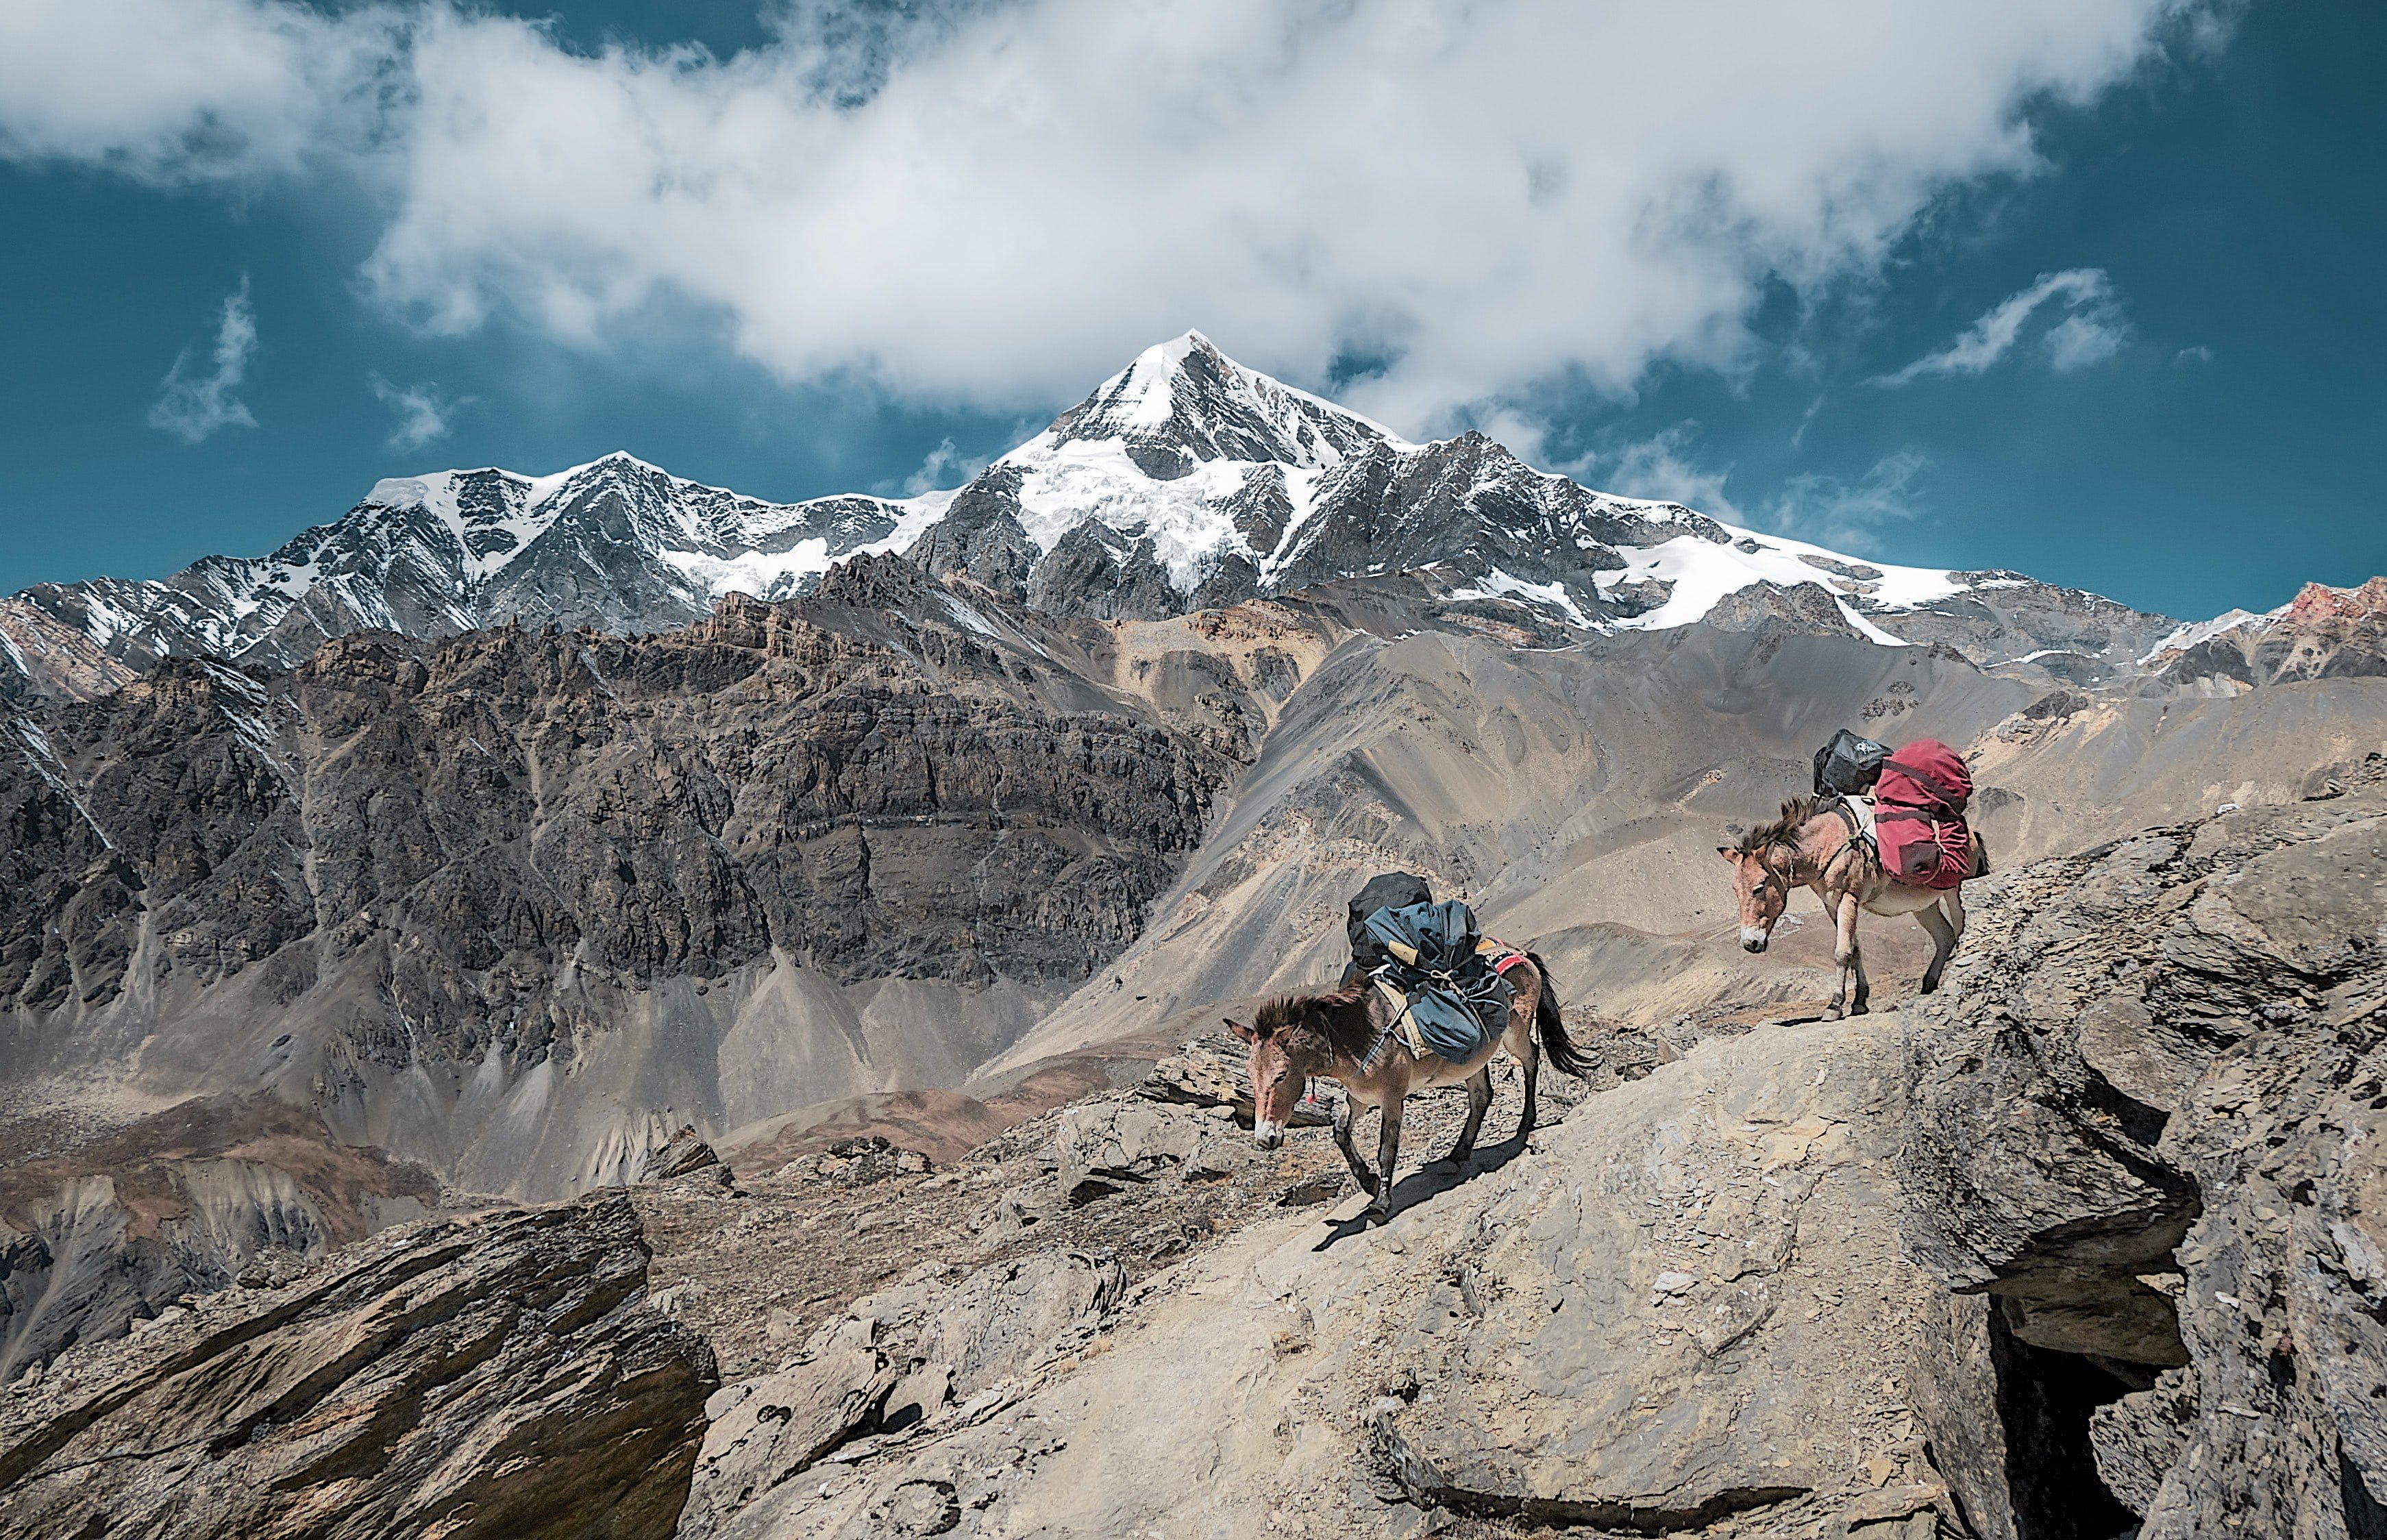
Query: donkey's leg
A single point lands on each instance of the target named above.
(1865, 986)
(1388, 1153)
(1844, 953)
(1478, 1102)
(1342, 1116)
(1532, 1059)
(1943, 942)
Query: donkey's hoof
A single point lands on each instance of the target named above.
(1932, 985)
(1379, 1214)
(1832, 1013)
(1860, 1008)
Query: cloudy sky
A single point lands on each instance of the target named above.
(2081, 287)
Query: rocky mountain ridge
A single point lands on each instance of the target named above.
(2323, 632)
(1186, 481)
(616, 544)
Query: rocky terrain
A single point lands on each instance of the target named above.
(493, 913)
(2086, 1246)
(498, 1375)
(2088, 1240)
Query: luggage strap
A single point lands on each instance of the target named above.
(1928, 783)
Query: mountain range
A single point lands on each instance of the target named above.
(473, 842)
(1185, 482)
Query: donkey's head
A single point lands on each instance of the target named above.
(1761, 871)
(1291, 1039)
(1763, 891)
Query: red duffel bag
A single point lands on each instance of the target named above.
(1919, 814)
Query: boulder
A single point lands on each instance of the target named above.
(496, 1375)
(685, 1154)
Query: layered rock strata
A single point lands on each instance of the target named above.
(498, 1375)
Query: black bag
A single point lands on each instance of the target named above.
(1385, 891)
(1847, 765)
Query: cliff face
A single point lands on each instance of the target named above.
(2147, 1127)
(434, 890)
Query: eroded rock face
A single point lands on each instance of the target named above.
(496, 860)
(2147, 1125)
(498, 1375)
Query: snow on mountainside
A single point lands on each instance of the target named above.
(616, 543)
(1184, 481)
(1188, 480)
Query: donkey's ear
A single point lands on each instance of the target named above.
(1729, 853)
(1240, 1031)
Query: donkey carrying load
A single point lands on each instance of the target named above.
(1905, 849)
(1376, 1037)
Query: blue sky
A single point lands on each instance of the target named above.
(2102, 309)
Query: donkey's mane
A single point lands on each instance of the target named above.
(1327, 1016)
(1784, 830)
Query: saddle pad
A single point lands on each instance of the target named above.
(1864, 810)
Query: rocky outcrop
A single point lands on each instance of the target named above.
(684, 1155)
(498, 1375)
(2323, 632)
(2144, 1127)
(1772, 611)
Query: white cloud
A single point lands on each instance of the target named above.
(1851, 515)
(943, 466)
(2094, 332)
(2198, 354)
(1827, 510)
(196, 406)
(184, 90)
(1662, 468)
(423, 415)
(993, 204)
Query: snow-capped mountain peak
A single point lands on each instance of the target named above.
(1184, 481)
(1182, 403)
(616, 543)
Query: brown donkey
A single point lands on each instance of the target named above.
(1813, 845)
(1347, 1034)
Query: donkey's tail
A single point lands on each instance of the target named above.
(1552, 1025)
